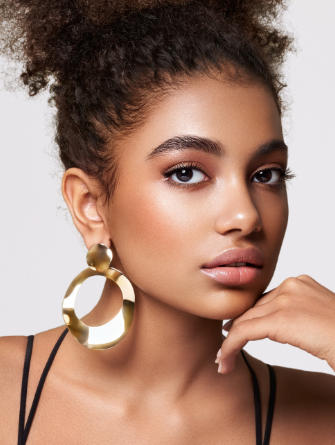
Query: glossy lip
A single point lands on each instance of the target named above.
(233, 276)
(237, 255)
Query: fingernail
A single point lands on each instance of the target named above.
(220, 368)
(227, 325)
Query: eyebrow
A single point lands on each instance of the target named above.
(211, 146)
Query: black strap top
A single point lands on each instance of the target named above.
(23, 430)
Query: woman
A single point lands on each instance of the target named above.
(169, 128)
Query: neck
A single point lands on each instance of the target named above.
(164, 350)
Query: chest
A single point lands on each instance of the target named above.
(72, 415)
(92, 421)
(73, 424)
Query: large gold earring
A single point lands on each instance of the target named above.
(109, 334)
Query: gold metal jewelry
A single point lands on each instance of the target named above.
(109, 334)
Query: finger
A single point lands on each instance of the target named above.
(267, 296)
(307, 278)
(254, 312)
(252, 329)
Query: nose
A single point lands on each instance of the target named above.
(237, 212)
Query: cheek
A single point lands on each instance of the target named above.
(154, 232)
(275, 216)
(160, 235)
(274, 211)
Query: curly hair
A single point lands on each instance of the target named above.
(108, 61)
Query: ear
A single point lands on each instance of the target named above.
(83, 196)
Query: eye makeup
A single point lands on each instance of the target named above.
(284, 174)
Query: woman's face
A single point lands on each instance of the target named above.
(165, 228)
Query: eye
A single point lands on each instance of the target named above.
(183, 175)
(266, 175)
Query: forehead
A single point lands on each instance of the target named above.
(240, 116)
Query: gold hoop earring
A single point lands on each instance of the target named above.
(109, 334)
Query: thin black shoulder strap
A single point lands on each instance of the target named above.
(23, 432)
(26, 366)
(257, 401)
(272, 399)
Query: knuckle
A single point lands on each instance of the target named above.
(291, 283)
(304, 276)
(239, 326)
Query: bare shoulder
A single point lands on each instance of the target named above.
(305, 406)
(12, 350)
(12, 356)
(306, 386)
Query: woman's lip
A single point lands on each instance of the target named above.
(233, 276)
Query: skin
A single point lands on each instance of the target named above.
(300, 311)
(163, 373)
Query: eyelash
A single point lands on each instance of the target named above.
(285, 175)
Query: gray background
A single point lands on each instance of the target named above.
(41, 252)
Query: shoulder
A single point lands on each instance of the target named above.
(306, 386)
(13, 347)
(304, 409)
(12, 355)
(305, 406)
(12, 352)
(298, 385)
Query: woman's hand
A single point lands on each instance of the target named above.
(300, 311)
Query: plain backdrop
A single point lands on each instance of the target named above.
(41, 252)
